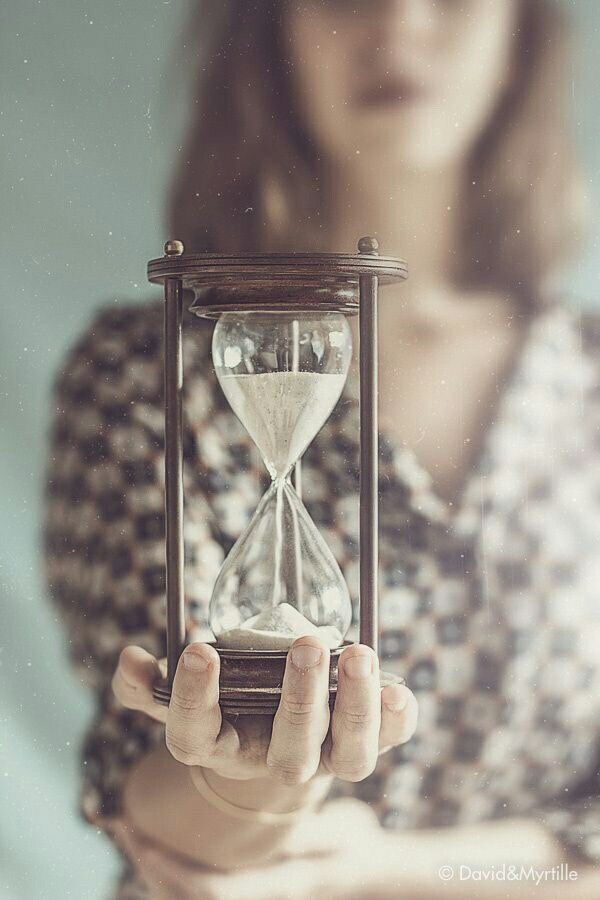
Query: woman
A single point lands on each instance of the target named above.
(440, 128)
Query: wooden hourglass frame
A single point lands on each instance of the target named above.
(250, 680)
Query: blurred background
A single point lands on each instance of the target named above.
(91, 115)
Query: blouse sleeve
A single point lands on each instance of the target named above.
(103, 531)
(575, 820)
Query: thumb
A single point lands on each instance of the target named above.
(132, 683)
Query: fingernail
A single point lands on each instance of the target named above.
(305, 656)
(397, 703)
(195, 661)
(358, 666)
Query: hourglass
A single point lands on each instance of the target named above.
(281, 351)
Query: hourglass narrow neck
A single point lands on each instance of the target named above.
(280, 478)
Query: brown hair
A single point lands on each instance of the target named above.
(250, 177)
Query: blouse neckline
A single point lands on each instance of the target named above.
(550, 327)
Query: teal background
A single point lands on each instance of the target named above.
(92, 106)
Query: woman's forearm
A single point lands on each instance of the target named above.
(162, 804)
(462, 863)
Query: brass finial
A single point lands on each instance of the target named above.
(173, 248)
(368, 246)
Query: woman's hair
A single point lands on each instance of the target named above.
(250, 177)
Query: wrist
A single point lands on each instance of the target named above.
(268, 795)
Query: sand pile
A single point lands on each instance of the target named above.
(276, 629)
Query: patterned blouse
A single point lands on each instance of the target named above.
(490, 608)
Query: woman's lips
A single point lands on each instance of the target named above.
(393, 93)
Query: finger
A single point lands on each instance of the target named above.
(123, 835)
(194, 716)
(265, 882)
(134, 679)
(169, 875)
(302, 718)
(131, 845)
(175, 878)
(159, 875)
(352, 748)
(399, 713)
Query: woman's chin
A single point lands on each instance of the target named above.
(393, 155)
(411, 142)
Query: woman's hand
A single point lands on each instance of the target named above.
(302, 740)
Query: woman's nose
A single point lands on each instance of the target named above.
(409, 15)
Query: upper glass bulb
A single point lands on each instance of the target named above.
(282, 376)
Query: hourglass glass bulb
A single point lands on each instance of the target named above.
(282, 373)
(282, 377)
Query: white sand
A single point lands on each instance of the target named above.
(282, 411)
(276, 629)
